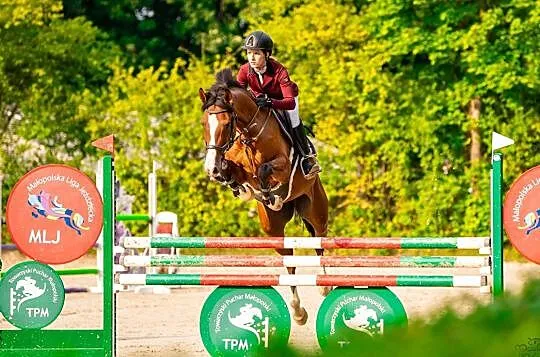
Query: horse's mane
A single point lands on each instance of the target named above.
(226, 77)
(224, 83)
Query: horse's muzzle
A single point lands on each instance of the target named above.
(216, 171)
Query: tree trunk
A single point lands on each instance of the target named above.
(220, 10)
(474, 115)
(476, 154)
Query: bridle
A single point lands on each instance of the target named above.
(232, 133)
(247, 139)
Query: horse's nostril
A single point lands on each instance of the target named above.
(215, 171)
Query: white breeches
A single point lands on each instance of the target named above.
(293, 114)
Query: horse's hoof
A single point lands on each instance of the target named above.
(302, 318)
(245, 193)
(275, 204)
(325, 290)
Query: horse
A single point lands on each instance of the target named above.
(246, 151)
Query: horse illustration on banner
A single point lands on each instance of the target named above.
(45, 205)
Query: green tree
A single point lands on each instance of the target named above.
(156, 115)
(392, 87)
(45, 64)
(152, 31)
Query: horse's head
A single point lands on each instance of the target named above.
(219, 124)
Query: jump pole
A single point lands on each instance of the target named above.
(486, 245)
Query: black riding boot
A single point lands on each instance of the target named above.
(308, 163)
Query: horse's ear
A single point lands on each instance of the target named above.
(202, 95)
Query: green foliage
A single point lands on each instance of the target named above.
(388, 85)
(385, 84)
(156, 115)
(45, 63)
(29, 12)
(154, 31)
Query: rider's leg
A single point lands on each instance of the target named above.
(309, 165)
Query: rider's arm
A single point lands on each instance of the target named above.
(289, 90)
(242, 77)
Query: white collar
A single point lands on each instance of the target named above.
(261, 71)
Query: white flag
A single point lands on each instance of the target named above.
(156, 165)
(499, 141)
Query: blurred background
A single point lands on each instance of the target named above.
(402, 97)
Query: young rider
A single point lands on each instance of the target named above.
(269, 82)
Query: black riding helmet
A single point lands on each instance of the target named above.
(259, 40)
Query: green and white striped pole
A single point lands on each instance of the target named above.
(466, 281)
(476, 243)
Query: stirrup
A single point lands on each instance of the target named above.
(315, 169)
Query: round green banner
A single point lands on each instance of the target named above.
(31, 295)
(348, 316)
(239, 321)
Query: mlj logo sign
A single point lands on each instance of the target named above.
(54, 214)
(521, 214)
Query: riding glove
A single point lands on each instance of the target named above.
(263, 101)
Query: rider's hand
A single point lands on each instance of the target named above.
(263, 102)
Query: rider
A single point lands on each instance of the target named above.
(269, 82)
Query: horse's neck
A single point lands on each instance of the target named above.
(262, 126)
(247, 111)
(250, 117)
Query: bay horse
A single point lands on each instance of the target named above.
(246, 150)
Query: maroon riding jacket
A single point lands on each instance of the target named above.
(276, 84)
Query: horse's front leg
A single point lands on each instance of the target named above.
(279, 169)
(232, 177)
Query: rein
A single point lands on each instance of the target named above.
(245, 137)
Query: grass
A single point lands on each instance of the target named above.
(508, 327)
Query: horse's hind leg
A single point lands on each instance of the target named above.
(273, 223)
(314, 212)
(324, 290)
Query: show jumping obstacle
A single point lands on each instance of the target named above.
(489, 264)
(158, 224)
(305, 261)
(256, 302)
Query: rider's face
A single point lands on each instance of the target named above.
(256, 58)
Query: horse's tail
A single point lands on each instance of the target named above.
(308, 226)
